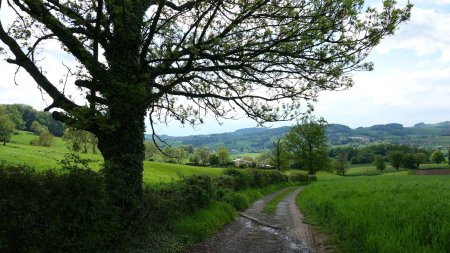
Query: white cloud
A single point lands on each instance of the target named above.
(427, 33)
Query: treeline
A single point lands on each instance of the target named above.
(23, 117)
(405, 156)
(187, 154)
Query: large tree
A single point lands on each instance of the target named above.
(307, 142)
(183, 58)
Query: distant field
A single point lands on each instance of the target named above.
(381, 214)
(252, 155)
(18, 151)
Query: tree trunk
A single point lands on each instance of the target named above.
(123, 151)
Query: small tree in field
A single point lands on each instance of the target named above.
(7, 128)
(437, 157)
(379, 163)
(409, 161)
(203, 155)
(307, 142)
(396, 158)
(341, 163)
(420, 158)
(223, 156)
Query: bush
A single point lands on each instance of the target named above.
(312, 178)
(238, 201)
(260, 178)
(299, 177)
(197, 192)
(277, 177)
(55, 212)
(225, 181)
(243, 178)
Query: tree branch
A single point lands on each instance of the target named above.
(22, 60)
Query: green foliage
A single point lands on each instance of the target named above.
(409, 161)
(420, 158)
(214, 160)
(363, 155)
(6, 128)
(307, 142)
(45, 139)
(279, 154)
(223, 156)
(55, 212)
(437, 157)
(381, 214)
(243, 178)
(299, 177)
(341, 163)
(396, 159)
(14, 114)
(379, 163)
(79, 140)
(202, 155)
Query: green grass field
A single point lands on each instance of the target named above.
(18, 151)
(400, 213)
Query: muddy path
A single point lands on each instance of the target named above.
(257, 232)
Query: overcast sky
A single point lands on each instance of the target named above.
(410, 83)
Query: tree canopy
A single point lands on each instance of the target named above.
(184, 59)
(219, 55)
(307, 142)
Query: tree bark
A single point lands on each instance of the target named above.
(123, 152)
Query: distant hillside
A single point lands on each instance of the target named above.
(249, 140)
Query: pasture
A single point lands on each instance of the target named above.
(399, 213)
(18, 152)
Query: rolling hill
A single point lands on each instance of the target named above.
(258, 139)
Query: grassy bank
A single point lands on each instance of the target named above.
(381, 214)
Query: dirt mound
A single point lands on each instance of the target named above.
(433, 172)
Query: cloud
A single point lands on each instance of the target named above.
(426, 34)
(399, 95)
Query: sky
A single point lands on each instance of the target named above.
(410, 82)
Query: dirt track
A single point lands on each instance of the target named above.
(433, 172)
(258, 232)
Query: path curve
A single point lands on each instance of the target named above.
(257, 232)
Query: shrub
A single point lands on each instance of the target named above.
(198, 191)
(299, 177)
(260, 178)
(225, 181)
(238, 201)
(55, 212)
(277, 177)
(243, 178)
(312, 178)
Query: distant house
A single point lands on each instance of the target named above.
(265, 166)
(242, 162)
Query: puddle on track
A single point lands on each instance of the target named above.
(257, 238)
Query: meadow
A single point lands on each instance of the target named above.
(19, 152)
(399, 213)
